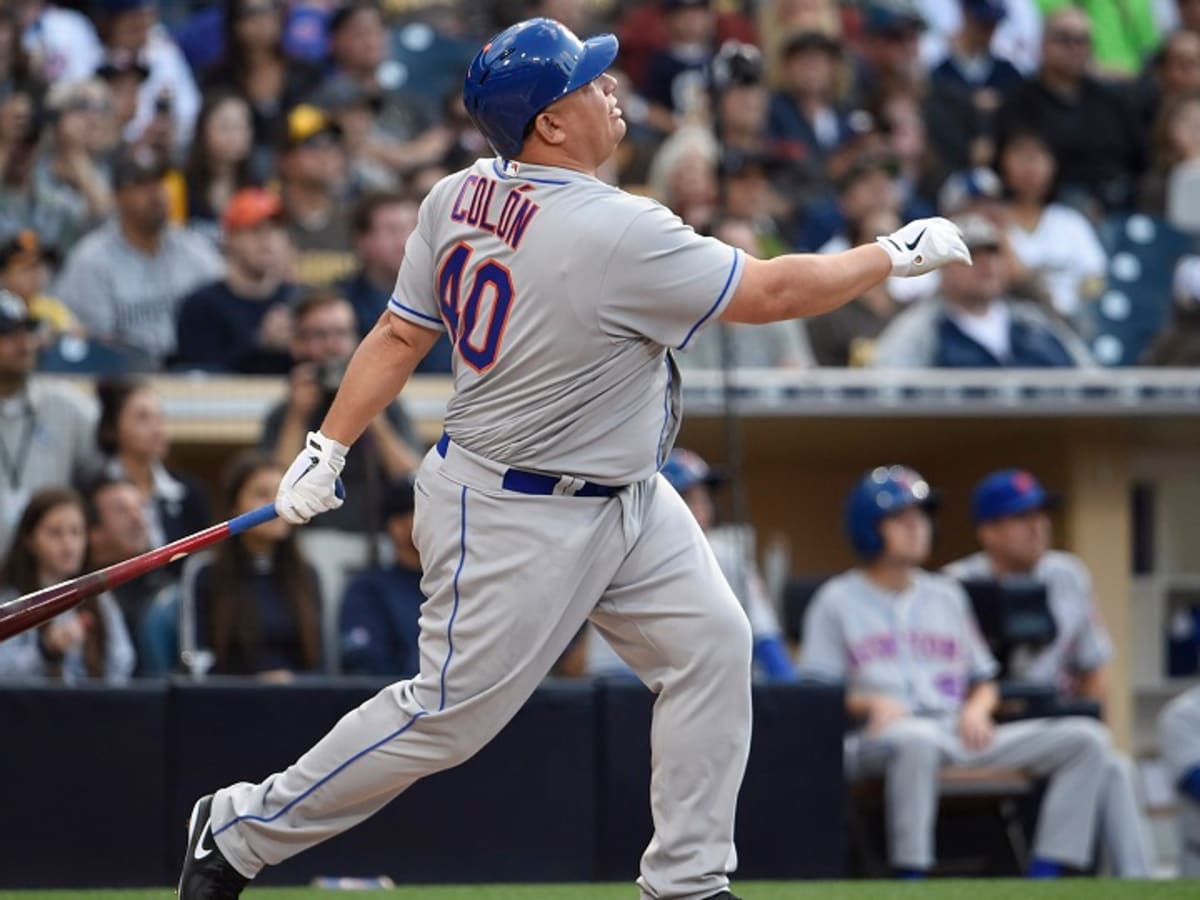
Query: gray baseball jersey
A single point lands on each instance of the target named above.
(577, 287)
(920, 646)
(561, 295)
(1082, 644)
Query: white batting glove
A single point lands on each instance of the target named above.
(924, 245)
(309, 487)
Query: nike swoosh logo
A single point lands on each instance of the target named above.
(916, 240)
(313, 462)
(202, 851)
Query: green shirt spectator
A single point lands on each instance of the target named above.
(1124, 31)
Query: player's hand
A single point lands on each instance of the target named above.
(975, 728)
(924, 245)
(309, 486)
(884, 712)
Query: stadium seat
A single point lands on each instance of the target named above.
(1133, 309)
(69, 354)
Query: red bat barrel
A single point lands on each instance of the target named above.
(39, 607)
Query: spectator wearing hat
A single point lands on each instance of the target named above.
(871, 186)
(748, 194)
(1051, 241)
(807, 122)
(126, 280)
(404, 134)
(1010, 510)
(677, 76)
(124, 74)
(382, 223)
(1179, 342)
(970, 62)
(381, 607)
(71, 172)
(1091, 129)
(45, 429)
(312, 171)
(973, 322)
(243, 323)
(356, 111)
(25, 271)
(61, 43)
(890, 54)
(130, 28)
(979, 191)
(867, 185)
(256, 65)
(743, 99)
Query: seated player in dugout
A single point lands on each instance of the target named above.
(919, 678)
(1012, 524)
(697, 483)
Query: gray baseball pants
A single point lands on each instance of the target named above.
(1072, 752)
(510, 579)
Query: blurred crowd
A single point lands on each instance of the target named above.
(175, 177)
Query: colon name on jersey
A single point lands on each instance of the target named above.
(476, 205)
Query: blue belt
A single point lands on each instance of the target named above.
(523, 482)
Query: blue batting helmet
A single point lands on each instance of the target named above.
(880, 493)
(685, 469)
(524, 69)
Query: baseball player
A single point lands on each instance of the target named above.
(906, 645)
(1009, 508)
(695, 481)
(540, 508)
(1179, 738)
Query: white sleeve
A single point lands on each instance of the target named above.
(415, 297)
(665, 282)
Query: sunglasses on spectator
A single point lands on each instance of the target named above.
(1071, 38)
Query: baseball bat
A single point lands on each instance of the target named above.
(37, 608)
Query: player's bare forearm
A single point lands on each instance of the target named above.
(805, 284)
(983, 697)
(380, 367)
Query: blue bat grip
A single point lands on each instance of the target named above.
(252, 519)
(266, 513)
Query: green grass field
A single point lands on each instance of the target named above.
(1069, 889)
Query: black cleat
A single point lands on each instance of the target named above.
(206, 874)
(724, 895)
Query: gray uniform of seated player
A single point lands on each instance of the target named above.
(912, 659)
(1076, 663)
(1179, 740)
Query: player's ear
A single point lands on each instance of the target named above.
(549, 127)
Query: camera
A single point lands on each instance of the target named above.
(330, 375)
